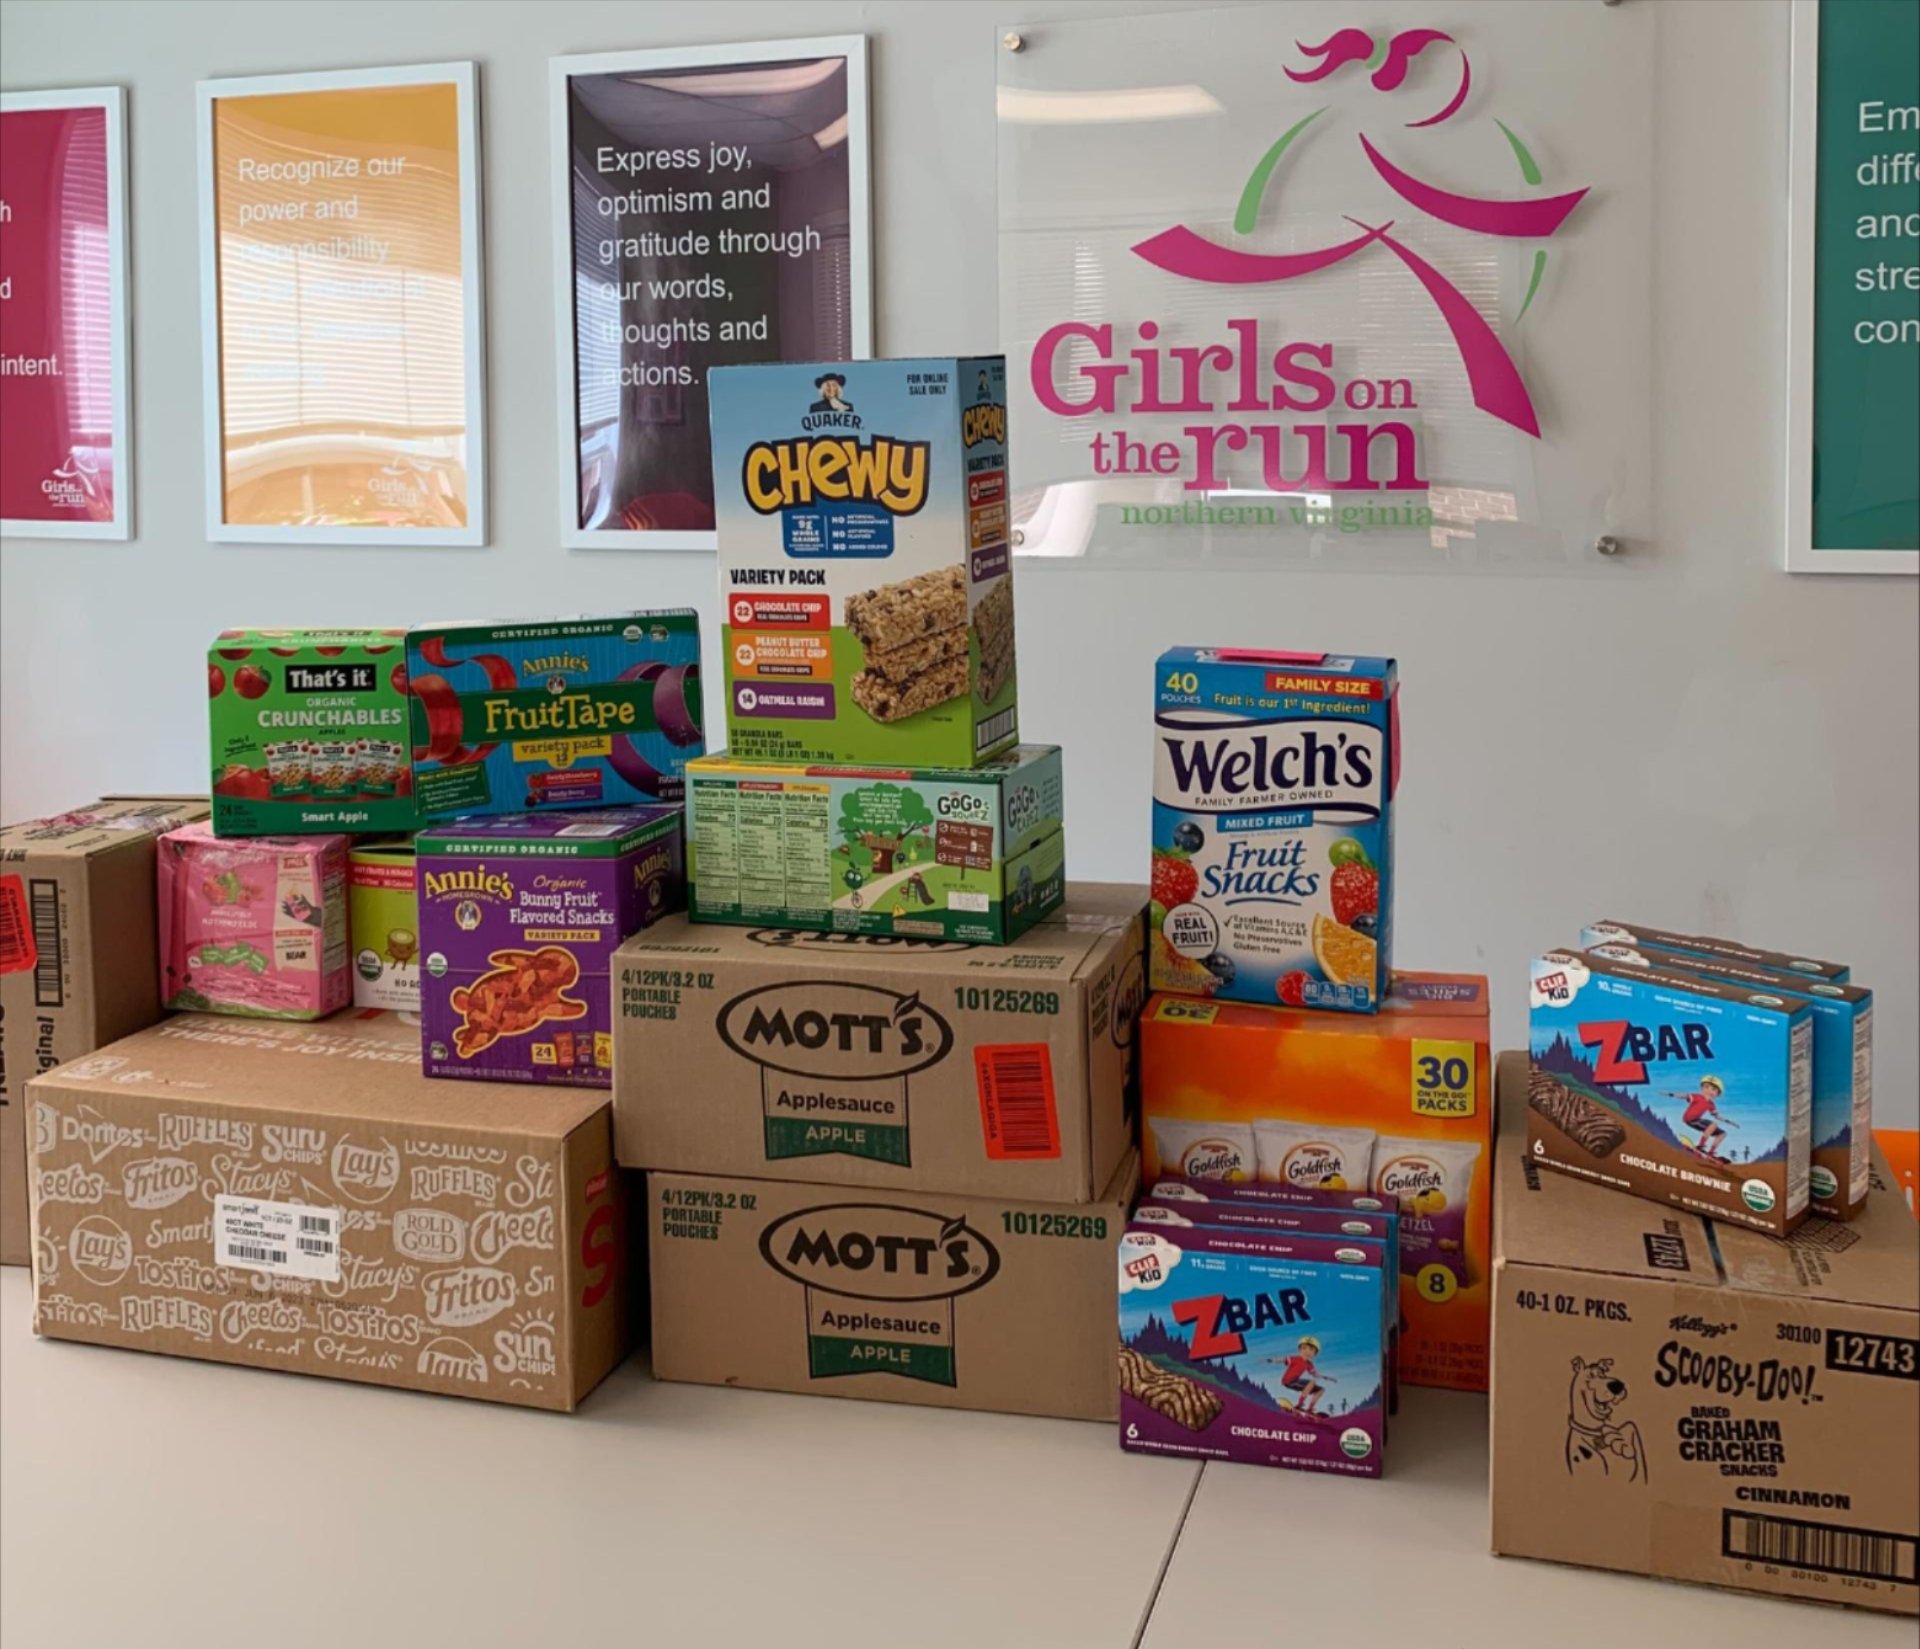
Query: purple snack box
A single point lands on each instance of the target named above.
(520, 915)
(1261, 1347)
(1170, 1188)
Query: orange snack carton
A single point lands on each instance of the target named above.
(1399, 1104)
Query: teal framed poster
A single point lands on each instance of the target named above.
(1853, 420)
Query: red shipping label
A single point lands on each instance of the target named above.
(1018, 1117)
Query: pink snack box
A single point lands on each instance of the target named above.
(254, 925)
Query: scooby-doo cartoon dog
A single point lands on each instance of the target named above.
(1594, 1442)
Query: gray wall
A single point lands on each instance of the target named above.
(1741, 760)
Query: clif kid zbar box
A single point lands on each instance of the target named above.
(1842, 1159)
(1723, 950)
(1273, 787)
(862, 514)
(571, 713)
(1256, 1346)
(1692, 1091)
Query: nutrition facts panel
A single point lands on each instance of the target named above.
(764, 847)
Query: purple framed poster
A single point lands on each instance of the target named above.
(710, 208)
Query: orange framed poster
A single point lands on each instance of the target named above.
(341, 307)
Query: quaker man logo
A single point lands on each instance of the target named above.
(880, 1282)
(1243, 371)
(835, 1062)
(832, 406)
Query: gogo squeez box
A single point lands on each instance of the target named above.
(309, 732)
(967, 853)
(577, 712)
(862, 514)
(519, 920)
(1273, 783)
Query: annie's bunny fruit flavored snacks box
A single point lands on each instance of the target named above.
(255, 925)
(987, 1302)
(1683, 1398)
(1693, 1091)
(1273, 788)
(309, 732)
(520, 916)
(565, 713)
(301, 1197)
(968, 853)
(862, 514)
(79, 962)
(885, 1063)
(1264, 1347)
(1842, 1147)
(1393, 1108)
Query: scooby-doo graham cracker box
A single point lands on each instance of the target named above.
(1677, 1397)
(862, 514)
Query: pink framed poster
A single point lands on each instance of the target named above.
(66, 465)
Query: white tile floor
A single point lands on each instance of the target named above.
(167, 1503)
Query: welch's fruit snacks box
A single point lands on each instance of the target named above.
(1695, 1092)
(1257, 1346)
(1842, 1152)
(1273, 786)
(565, 713)
(862, 518)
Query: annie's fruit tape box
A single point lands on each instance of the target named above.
(1842, 1148)
(862, 514)
(1265, 1347)
(301, 1197)
(1273, 786)
(1693, 1091)
(969, 853)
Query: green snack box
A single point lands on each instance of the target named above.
(309, 732)
(383, 912)
(969, 854)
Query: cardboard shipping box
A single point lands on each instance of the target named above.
(959, 1302)
(877, 1061)
(1678, 1397)
(79, 958)
(299, 1196)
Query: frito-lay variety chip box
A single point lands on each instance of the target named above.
(79, 964)
(299, 1196)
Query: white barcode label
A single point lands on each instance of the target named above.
(287, 1238)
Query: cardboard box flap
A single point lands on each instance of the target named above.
(1872, 1260)
(1097, 906)
(353, 1066)
(99, 827)
(1560, 1222)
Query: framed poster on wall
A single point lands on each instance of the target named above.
(66, 463)
(1853, 377)
(710, 207)
(340, 295)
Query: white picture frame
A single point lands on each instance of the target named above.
(465, 79)
(113, 101)
(561, 71)
(1803, 147)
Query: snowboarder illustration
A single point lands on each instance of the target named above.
(1702, 1114)
(1299, 1376)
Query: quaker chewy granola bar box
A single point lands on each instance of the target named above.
(519, 919)
(309, 732)
(1842, 1157)
(1273, 787)
(1694, 1092)
(569, 713)
(974, 854)
(862, 517)
(1257, 1346)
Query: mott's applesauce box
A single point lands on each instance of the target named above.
(862, 516)
(1273, 784)
(519, 920)
(309, 732)
(383, 919)
(1839, 1177)
(1692, 1091)
(964, 853)
(1257, 1346)
(1393, 1110)
(570, 713)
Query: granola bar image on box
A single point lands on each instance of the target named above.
(1185, 1402)
(993, 626)
(895, 614)
(901, 664)
(887, 700)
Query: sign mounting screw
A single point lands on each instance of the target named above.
(1607, 544)
(1012, 41)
